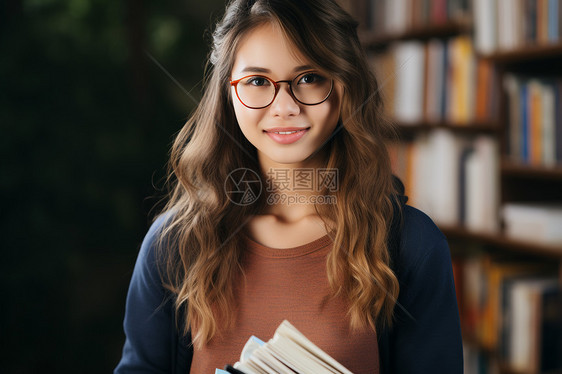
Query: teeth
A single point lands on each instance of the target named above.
(285, 132)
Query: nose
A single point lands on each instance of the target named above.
(284, 104)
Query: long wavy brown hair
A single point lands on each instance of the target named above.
(201, 241)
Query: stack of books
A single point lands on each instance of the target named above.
(288, 352)
(534, 222)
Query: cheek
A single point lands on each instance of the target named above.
(330, 114)
(247, 119)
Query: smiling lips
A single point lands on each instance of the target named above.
(286, 135)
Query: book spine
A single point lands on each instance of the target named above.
(444, 86)
(558, 141)
(559, 18)
(531, 21)
(553, 21)
(535, 123)
(524, 106)
(548, 124)
(485, 25)
(542, 21)
(551, 331)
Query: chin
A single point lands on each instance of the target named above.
(287, 157)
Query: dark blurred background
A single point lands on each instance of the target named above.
(87, 120)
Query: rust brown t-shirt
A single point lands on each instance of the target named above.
(291, 284)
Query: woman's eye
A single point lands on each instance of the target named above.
(310, 78)
(257, 81)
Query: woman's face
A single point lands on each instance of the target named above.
(267, 52)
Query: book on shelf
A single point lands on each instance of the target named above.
(392, 17)
(453, 179)
(408, 99)
(481, 186)
(437, 81)
(539, 223)
(513, 308)
(288, 352)
(535, 120)
(503, 25)
(485, 25)
(534, 345)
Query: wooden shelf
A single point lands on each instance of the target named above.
(372, 40)
(525, 54)
(504, 242)
(476, 127)
(512, 169)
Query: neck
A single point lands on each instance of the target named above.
(292, 189)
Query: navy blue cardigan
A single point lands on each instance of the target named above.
(425, 338)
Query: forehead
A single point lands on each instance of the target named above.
(266, 47)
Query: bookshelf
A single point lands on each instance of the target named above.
(405, 129)
(523, 47)
(459, 233)
(373, 41)
(525, 54)
(514, 169)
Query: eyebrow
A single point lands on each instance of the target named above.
(257, 69)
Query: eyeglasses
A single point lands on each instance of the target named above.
(259, 91)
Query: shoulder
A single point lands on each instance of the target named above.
(420, 241)
(151, 256)
(149, 314)
(426, 322)
(417, 227)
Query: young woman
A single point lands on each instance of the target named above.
(284, 207)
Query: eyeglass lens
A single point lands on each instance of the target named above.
(309, 88)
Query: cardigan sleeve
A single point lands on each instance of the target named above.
(426, 337)
(152, 344)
